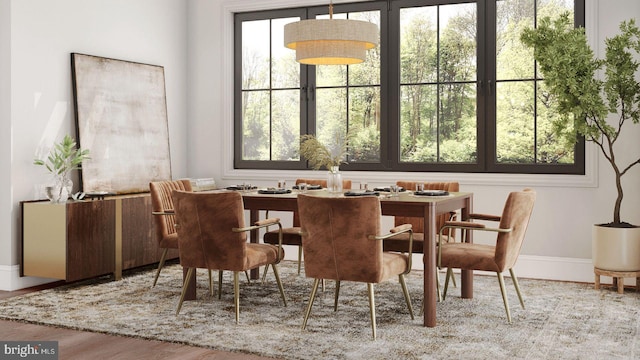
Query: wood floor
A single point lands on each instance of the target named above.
(84, 345)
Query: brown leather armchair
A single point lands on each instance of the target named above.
(399, 243)
(499, 257)
(291, 235)
(162, 205)
(212, 235)
(341, 241)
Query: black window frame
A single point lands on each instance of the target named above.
(389, 93)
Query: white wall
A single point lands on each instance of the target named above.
(5, 133)
(558, 243)
(40, 105)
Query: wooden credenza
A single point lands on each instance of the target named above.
(84, 239)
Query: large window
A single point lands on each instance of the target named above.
(449, 88)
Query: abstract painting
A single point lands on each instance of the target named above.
(121, 117)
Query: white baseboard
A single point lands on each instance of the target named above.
(10, 279)
(528, 266)
(554, 268)
(544, 267)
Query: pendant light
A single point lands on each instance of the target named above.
(330, 41)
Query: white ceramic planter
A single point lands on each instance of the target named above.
(616, 249)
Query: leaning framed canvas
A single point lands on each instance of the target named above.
(121, 117)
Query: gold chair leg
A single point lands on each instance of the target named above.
(453, 280)
(504, 296)
(187, 279)
(446, 282)
(336, 296)
(236, 295)
(160, 265)
(264, 273)
(407, 298)
(299, 258)
(312, 297)
(322, 285)
(438, 286)
(517, 286)
(372, 309)
(219, 284)
(277, 275)
(210, 283)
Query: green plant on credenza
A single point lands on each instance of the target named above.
(61, 161)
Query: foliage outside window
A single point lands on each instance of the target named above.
(450, 88)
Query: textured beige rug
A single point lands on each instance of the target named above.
(561, 321)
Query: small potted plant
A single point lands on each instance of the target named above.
(319, 155)
(62, 159)
(597, 109)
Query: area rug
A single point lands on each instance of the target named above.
(561, 320)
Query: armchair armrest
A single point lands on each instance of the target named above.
(462, 224)
(485, 217)
(400, 229)
(263, 224)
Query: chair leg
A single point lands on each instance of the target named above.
(299, 258)
(277, 275)
(517, 286)
(312, 297)
(236, 295)
(210, 282)
(453, 280)
(185, 285)
(160, 265)
(438, 286)
(336, 295)
(504, 296)
(246, 273)
(407, 298)
(372, 309)
(219, 284)
(446, 282)
(264, 273)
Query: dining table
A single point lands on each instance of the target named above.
(400, 204)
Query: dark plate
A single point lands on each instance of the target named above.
(431, 193)
(387, 189)
(361, 193)
(274, 191)
(240, 187)
(309, 187)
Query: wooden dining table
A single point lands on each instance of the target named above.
(405, 204)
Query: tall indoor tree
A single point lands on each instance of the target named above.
(590, 106)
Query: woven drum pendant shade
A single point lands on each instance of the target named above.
(330, 41)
